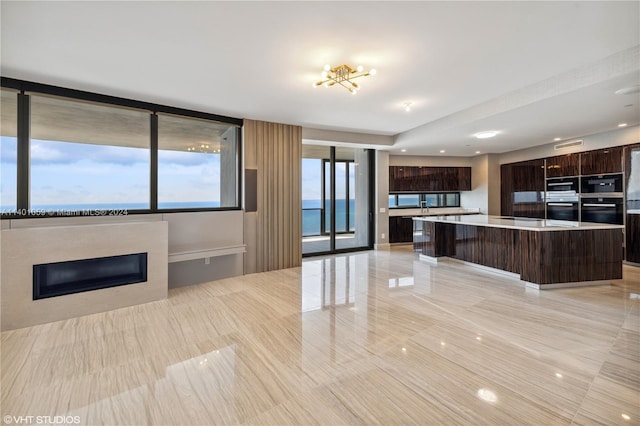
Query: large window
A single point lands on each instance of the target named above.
(69, 153)
(197, 163)
(87, 156)
(8, 151)
(449, 199)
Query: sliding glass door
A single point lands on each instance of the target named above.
(336, 199)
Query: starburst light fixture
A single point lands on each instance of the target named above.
(344, 76)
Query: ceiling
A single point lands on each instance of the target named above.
(535, 71)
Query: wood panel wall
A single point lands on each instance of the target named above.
(276, 152)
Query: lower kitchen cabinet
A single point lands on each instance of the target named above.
(400, 229)
(633, 238)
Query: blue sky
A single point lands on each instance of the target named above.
(312, 179)
(64, 173)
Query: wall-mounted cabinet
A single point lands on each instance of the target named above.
(522, 189)
(429, 179)
(601, 161)
(563, 165)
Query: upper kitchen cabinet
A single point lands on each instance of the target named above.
(601, 161)
(429, 179)
(563, 165)
(522, 189)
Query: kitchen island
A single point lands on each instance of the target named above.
(543, 253)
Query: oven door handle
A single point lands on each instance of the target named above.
(598, 205)
(560, 204)
(560, 184)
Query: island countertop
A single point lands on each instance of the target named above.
(521, 223)
(586, 254)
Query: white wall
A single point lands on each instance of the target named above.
(485, 185)
(191, 231)
(616, 137)
(429, 161)
(332, 137)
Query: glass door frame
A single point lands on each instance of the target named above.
(371, 175)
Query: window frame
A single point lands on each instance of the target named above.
(24, 88)
(422, 197)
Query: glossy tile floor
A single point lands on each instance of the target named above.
(367, 338)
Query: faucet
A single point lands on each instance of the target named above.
(424, 204)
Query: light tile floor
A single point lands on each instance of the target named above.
(366, 338)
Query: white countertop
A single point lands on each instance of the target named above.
(433, 211)
(523, 223)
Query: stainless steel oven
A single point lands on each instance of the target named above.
(562, 198)
(602, 185)
(562, 185)
(562, 211)
(602, 210)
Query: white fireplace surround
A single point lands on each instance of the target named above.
(23, 247)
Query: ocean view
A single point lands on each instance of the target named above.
(311, 218)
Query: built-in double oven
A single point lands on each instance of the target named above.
(562, 198)
(597, 198)
(601, 199)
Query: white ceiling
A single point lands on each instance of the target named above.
(533, 70)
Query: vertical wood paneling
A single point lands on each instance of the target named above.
(279, 222)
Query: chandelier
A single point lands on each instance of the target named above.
(344, 76)
(204, 148)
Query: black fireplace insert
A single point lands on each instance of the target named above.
(76, 276)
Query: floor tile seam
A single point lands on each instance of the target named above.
(574, 333)
(563, 315)
(499, 381)
(484, 329)
(489, 379)
(595, 377)
(22, 360)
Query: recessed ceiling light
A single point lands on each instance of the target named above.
(628, 90)
(622, 125)
(442, 151)
(486, 134)
(477, 152)
(557, 139)
(407, 106)
(403, 150)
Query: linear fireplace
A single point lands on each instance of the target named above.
(60, 278)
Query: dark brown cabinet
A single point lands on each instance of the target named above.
(632, 234)
(632, 220)
(601, 161)
(400, 229)
(429, 179)
(522, 189)
(563, 165)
